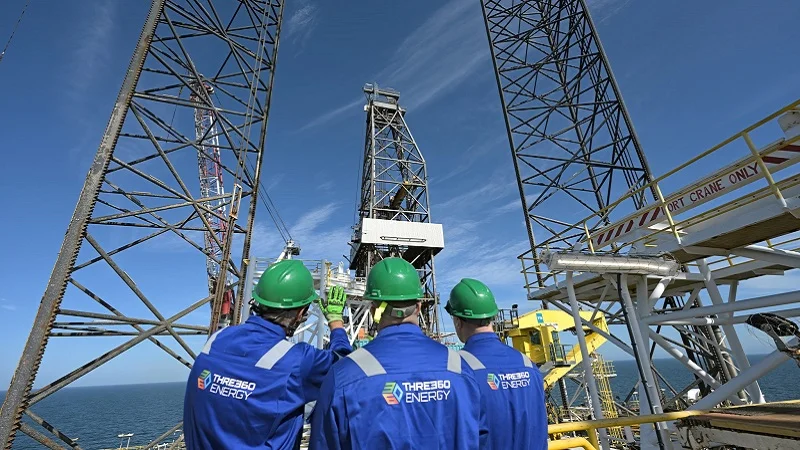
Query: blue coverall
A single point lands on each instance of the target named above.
(249, 386)
(513, 390)
(400, 391)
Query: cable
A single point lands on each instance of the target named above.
(14, 30)
(279, 223)
(273, 213)
(272, 210)
(266, 200)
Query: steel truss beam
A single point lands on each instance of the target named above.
(142, 187)
(572, 142)
(709, 352)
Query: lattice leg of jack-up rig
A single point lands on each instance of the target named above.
(573, 145)
(141, 200)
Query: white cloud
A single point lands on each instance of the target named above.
(92, 46)
(471, 254)
(302, 18)
(473, 154)
(326, 185)
(772, 283)
(8, 306)
(312, 232)
(301, 23)
(436, 57)
(333, 114)
(439, 54)
(513, 205)
(602, 10)
(311, 220)
(472, 246)
(498, 188)
(274, 181)
(90, 56)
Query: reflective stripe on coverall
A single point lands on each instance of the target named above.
(249, 385)
(513, 390)
(403, 390)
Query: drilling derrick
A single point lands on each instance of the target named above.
(144, 248)
(393, 211)
(212, 188)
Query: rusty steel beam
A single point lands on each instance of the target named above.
(16, 397)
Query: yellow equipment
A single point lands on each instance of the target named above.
(537, 335)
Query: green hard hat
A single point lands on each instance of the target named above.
(393, 280)
(471, 299)
(286, 284)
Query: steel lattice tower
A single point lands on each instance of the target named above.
(394, 187)
(142, 188)
(575, 151)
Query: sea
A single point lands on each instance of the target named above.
(97, 415)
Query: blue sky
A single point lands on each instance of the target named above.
(691, 74)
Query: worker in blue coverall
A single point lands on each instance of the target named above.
(510, 383)
(249, 385)
(402, 390)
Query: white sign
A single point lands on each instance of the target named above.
(725, 180)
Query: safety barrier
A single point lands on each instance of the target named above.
(591, 427)
(594, 232)
(566, 444)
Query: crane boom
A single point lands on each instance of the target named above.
(212, 186)
(212, 191)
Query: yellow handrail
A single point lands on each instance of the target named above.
(653, 184)
(566, 444)
(587, 425)
(591, 426)
(794, 105)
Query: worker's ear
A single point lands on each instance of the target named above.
(301, 313)
(419, 308)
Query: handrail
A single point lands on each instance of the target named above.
(586, 425)
(591, 426)
(566, 444)
(673, 226)
(654, 183)
(585, 232)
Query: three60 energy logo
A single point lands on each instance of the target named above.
(204, 379)
(416, 392)
(225, 386)
(513, 380)
(492, 380)
(392, 393)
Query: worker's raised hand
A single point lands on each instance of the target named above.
(333, 306)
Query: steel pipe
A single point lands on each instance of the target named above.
(744, 379)
(591, 383)
(743, 305)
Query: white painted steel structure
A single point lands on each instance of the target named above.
(738, 223)
(315, 330)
